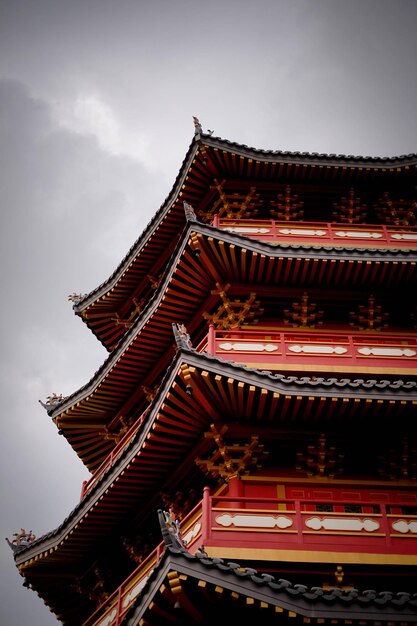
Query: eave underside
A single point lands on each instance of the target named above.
(206, 259)
(240, 167)
(197, 591)
(201, 390)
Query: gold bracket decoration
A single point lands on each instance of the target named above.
(180, 503)
(369, 317)
(233, 313)
(150, 393)
(93, 585)
(287, 207)
(231, 460)
(154, 280)
(303, 314)
(320, 460)
(396, 212)
(350, 210)
(339, 575)
(128, 322)
(413, 316)
(399, 463)
(125, 424)
(174, 582)
(137, 547)
(109, 436)
(232, 205)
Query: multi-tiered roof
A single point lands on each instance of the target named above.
(262, 342)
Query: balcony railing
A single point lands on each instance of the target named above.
(270, 525)
(325, 233)
(290, 350)
(111, 458)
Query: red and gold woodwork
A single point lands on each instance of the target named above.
(260, 386)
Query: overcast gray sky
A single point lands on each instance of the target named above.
(96, 106)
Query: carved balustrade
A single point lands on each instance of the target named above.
(290, 350)
(222, 523)
(111, 458)
(322, 233)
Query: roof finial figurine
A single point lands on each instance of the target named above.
(198, 129)
(76, 297)
(21, 539)
(170, 529)
(52, 400)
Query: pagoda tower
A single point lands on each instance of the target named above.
(251, 436)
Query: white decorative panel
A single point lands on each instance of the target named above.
(317, 349)
(358, 234)
(386, 351)
(108, 619)
(192, 533)
(342, 523)
(401, 526)
(248, 230)
(405, 236)
(135, 591)
(254, 521)
(302, 231)
(249, 347)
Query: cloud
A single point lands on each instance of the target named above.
(89, 114)
(70, 209)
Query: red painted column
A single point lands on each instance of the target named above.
(206, 516)
(236, 489)
(211, 340)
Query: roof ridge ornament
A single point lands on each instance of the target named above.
(53, 400)
(170, 530)
(77, 297)
(189, 212)
(182, 337)
(198, 128)
(21, 540)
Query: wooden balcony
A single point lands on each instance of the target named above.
(111, 458)
(270, 529)
(319, 352)
(322, 233)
